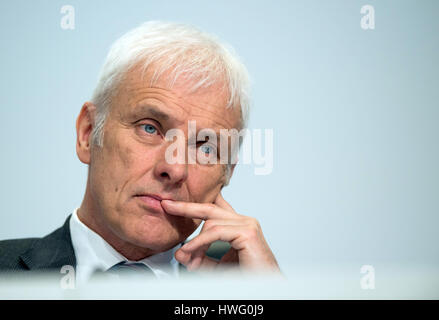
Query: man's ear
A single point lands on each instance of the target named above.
(84, 127)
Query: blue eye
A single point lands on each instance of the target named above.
(206, 149)
(150, 128)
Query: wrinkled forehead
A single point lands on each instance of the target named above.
(179, 95)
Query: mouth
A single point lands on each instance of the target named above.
(152, 202)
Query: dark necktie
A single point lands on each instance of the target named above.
(128, 270)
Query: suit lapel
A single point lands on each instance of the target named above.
(51, 252)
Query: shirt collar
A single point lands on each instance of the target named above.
(94, 253)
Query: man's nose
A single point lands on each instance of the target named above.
(171, 173)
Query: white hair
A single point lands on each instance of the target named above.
(177, 49)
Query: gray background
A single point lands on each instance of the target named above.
(354, 113)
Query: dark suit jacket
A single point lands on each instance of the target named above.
(53, 251)
(39, 254)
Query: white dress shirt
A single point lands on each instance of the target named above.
(94, 253)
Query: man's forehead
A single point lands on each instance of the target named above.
(205, 104)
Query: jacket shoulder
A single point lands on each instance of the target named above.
(10, 251)
(49, 252)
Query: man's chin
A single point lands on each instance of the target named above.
(156, 234)
(157, 241)
(156, 246)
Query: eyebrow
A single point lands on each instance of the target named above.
(155, 111)
(152, 110)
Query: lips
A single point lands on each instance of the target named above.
(152, 201)
(153, 196)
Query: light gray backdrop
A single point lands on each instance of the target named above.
(354, 112)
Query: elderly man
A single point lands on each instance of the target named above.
(140, 206)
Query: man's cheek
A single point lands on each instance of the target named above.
(212, 193)
(209, 190)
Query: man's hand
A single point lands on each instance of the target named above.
(248, 246)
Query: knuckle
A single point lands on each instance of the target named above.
(248, 235)
(208, 224)
(254, 223)
(217, 229)
(257, 224)
(252, 231)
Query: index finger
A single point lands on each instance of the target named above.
(202, 211)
